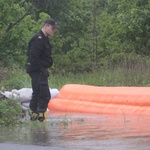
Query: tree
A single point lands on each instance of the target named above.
(15, 32)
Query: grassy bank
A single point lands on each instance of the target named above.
(17, 78)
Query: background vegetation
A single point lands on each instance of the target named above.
(10, 112)
(100, 42)
(93, 33)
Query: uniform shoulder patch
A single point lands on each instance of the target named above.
(39, 37)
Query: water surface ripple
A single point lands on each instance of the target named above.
(83, 131)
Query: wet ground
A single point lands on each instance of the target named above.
(79, 131)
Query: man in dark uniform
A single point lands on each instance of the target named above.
(38, 62)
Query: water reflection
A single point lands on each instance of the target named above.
(39, 135)
(81, 131)
(98, 127)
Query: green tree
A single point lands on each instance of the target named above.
(100, 32)
(16, 31)
(11, 31)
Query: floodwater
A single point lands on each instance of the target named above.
(82, 131)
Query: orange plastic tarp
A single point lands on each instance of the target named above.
(96, 99)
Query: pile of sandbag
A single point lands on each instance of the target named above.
(25, 94)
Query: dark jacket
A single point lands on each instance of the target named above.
(39, 53)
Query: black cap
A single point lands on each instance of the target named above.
(53, 23)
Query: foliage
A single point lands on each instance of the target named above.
(13, 78)
(127, 25)
(16, 31)
(10, 112)
(92, 33)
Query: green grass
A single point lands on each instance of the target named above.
(10, 112)
(105, 77)
(120, 76)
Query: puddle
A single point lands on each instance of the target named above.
(83, 131)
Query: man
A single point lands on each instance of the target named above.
(38, 62)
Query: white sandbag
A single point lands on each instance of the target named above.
(25, 94)
(54, 92)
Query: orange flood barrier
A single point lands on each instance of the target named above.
(96, 99)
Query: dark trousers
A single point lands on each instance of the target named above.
(41, 94)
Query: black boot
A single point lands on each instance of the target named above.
(33, 116)
(41, 117)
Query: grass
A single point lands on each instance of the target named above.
(106, 77)
(17, 78)
(10, 112)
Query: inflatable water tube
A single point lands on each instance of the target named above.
(102, 100)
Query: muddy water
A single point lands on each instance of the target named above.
(83, 131)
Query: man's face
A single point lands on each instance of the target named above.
(50, 30)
